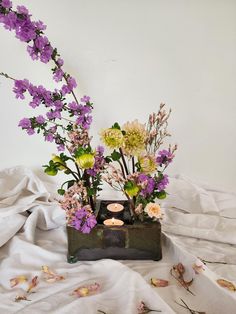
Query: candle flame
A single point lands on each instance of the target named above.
(113, 220)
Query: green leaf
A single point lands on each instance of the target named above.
(91, 191)
(128, 185)
(81, 151)
(115, 155)
(116, 126)
(61, 191)
(64, 157)
(161, 195)
(108, 159)
(70, 183)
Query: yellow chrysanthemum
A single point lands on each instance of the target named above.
(147, 163)
(112, 138)
(134, 138)
(85, 161)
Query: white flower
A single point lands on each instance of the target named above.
(153, 210)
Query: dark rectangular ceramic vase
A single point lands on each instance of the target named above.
(139, 241)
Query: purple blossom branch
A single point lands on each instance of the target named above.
(65, 78)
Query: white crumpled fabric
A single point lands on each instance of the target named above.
(199, 221)
(21, 190)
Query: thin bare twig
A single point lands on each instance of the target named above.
(188, 308)
(182, 282)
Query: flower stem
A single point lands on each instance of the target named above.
(7, 76)
(66, 79)
(122, 169)
(133, 164)
(124, 162)
(74, 174)
(86, 177)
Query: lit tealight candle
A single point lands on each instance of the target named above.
(115, 207)
(113, 222)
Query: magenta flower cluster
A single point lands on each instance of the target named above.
(164, 157)
(162, 183)
(99, 162)
(26, 30)
(83, 220)
(148, 183)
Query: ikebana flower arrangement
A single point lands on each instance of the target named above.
(135, 165)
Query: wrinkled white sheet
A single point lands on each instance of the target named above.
(202, 223)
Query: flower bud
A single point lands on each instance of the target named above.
(58, 160)
(50, 171)
(132, 190)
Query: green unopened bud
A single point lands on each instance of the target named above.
(51, 171)
(131, 189)
(58, 160)
(85, 161)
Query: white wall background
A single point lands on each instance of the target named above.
(130, 55)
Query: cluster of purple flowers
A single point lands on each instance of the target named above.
(39, 48)
(26, 30)
(99, 162)
(148, 184)
(39, 93)
(25, 124)
(83, 220)
(164, 157)
(82, 111)
(53, 101)
(50, 134)
(162, 184)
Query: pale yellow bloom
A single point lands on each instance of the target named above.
(147, 163)
(134, 138)
(112, 138)
(153, 210)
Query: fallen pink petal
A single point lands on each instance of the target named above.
(17, 280)
(198, 267)
(34, 282)
(51, 276)
(159, 282)
(85, 291)
(19, 298)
